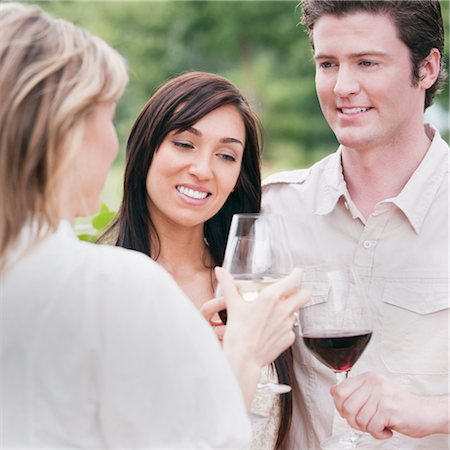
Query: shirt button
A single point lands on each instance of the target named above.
(367, 244)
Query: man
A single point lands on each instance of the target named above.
(380, 203)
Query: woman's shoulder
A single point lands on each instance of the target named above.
(119, 262)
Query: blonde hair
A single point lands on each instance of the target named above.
(52, 73)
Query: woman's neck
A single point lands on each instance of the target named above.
(184, 254)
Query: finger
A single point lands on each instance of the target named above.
(376, 426)
(285, 287)
(295, 301)
(367, 413)
(210, 308)
(227, 286)
(352, 406)
(220, 331)
(343, 390)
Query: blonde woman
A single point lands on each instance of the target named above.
(91, 334)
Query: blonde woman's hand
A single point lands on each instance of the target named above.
(210, 311)
(258, 331)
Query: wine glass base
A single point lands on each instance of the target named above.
(341, 442)
(275, 388)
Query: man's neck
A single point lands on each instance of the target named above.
(376, 174)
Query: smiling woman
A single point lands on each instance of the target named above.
(193, 160)
(195, 170)
(192, 126)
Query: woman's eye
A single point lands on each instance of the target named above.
(227, 157)
(183, 145)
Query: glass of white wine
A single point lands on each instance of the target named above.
(257, 255)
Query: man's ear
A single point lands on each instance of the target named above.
(429, 69)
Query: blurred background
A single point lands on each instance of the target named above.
(258, 45)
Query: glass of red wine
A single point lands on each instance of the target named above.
(336, 326)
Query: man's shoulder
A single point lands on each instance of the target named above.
(298, 176)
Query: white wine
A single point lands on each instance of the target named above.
(250, 288)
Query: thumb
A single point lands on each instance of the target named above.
(227, 286)
(384, 434)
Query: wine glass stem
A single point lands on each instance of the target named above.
(342, 376)
(354, 435)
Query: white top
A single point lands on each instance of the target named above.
(266, 413)
(401, 253)
(101, 349)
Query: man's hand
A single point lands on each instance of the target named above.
(376, 405)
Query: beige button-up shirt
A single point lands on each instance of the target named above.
(401, 253)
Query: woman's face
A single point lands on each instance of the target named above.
(194, 171)
(82, 182)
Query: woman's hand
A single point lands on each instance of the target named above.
(210, 311)
(258, 331)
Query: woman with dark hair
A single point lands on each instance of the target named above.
(193, 160)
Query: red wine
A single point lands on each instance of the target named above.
(339, 350)
(223, 316)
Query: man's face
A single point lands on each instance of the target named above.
(364, 81)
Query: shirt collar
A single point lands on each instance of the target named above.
(333, 186)
(415, 198)
(31, 235)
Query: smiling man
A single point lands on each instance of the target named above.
(380, 202)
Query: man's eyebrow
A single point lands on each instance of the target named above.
(365, 53)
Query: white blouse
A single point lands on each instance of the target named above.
(266, 413)
(100, 349)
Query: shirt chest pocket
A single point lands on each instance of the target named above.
(415, 327)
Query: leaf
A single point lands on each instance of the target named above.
(87, 237)
(102, 219)
(90, 231)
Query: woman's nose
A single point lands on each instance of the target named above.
(201, 168)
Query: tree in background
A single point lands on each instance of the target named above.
(256, 44)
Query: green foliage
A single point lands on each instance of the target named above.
(256, 44)
(90, 229)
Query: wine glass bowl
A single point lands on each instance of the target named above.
(257, 255)
(257, 252)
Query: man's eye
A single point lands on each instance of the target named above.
(368, 63)
(326, 65)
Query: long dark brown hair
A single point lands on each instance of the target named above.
(178, 105)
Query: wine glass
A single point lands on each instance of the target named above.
(256, 256)
(336, 326)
